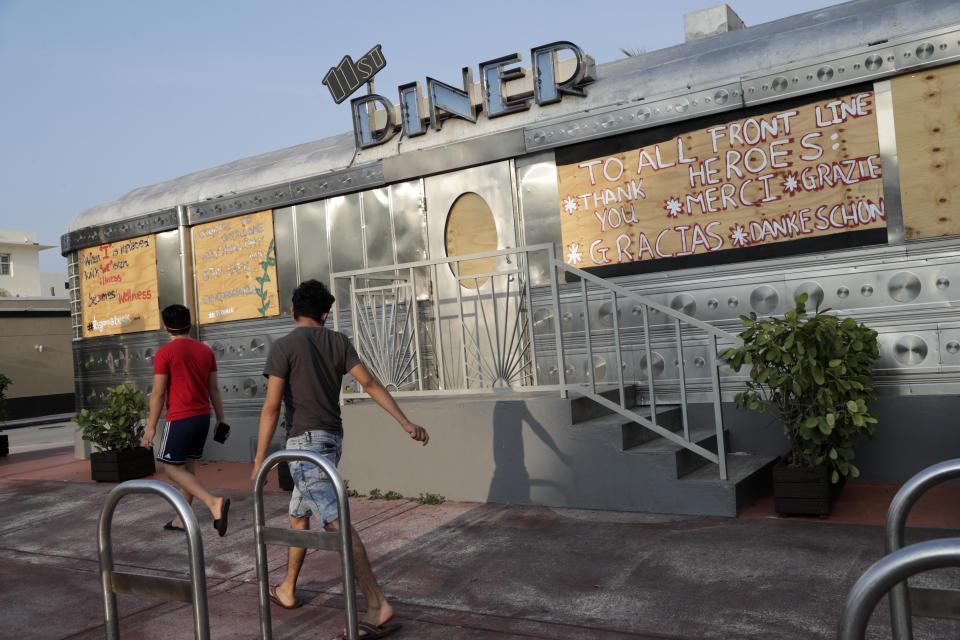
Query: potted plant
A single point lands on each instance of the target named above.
(116, 430)
(816, 371)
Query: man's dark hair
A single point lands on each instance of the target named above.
(312, 299)
(176, 318)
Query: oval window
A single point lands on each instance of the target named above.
(471, 228)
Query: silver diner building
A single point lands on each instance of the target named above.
(544, 263)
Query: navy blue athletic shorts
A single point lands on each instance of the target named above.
(184, 439)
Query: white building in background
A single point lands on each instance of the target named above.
(20, 275)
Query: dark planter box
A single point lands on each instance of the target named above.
(4, 445)
(803, 491)
(118, 466)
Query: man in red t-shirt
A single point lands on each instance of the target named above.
(185, 375)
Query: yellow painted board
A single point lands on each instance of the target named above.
(236, 268)
(803, 172)
(926, 107)
(118, 287)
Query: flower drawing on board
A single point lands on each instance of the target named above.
(790, 183)
(739, 236)
(673, 206)
(574, 256)
(570, 204)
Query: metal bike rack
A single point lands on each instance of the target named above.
(889, 571)
(193, 590)
(340, 541)
(931, 603)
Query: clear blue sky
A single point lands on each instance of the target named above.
(103, 96)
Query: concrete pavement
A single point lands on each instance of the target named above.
(454, 570)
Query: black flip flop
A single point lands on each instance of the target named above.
(276, 600)
(373, 631)
(220, 524)
(169, 527)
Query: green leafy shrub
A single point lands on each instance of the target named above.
(119, 424)
(4, 383)
(429, 498)
(817, 372)
(375, 494)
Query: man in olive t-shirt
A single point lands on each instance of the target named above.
(305, 369)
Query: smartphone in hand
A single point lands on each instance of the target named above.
(221, 433)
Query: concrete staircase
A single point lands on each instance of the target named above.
(669, 478)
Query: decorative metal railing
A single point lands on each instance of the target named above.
(440, 327)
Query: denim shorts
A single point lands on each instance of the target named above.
(313, 492)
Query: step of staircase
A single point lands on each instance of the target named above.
(669, 478)
(675, 459)
(583, 408)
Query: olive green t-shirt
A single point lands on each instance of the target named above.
(312, 362)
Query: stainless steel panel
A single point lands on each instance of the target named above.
(170, 281)
(344, 217)
(377, 228)
(313, 255)
(456, 153)
(286, 249)
(539, 204)
(650, 113)
(887, 138)
(867, 63)
(409, 221)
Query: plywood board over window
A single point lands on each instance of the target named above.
(236, 268)
(802, 172)
(118, 287)
(926, 108)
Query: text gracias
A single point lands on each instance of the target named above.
(721, 194)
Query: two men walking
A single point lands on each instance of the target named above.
(305, 371)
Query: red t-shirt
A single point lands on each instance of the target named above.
(188, 364)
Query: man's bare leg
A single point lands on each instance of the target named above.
(379, 610)
(186, 494)
(189, 483)
(286, 590)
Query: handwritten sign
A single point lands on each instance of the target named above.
(118, 287)
(799, 173)
(236, 268)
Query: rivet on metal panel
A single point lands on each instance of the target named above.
(814, 294)
(713, 303)
(843, 292)
(910, 350)
(943, 282)
(699, 362)
(925, 50)
(780, 83)
(682, 106)
(904, 286)
(953, 347)
(643, 113)
(732, 302)
(657, 365)
(866, 291)
(685, 304)
(764, 299)
(825, 73)
(873, 62)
